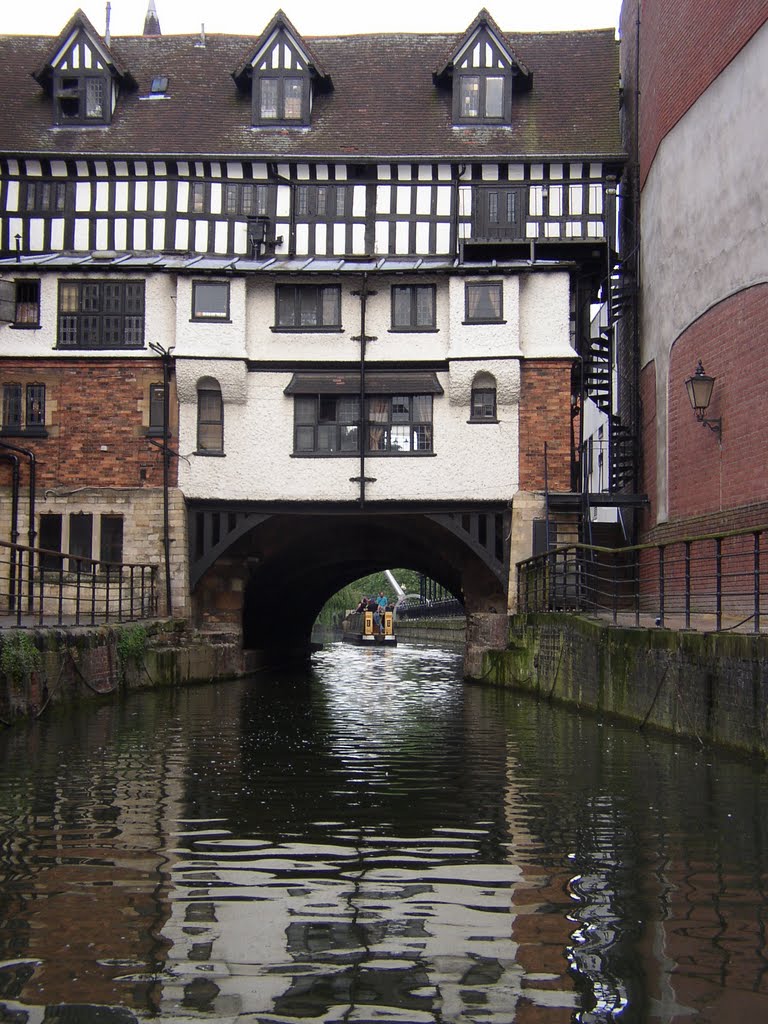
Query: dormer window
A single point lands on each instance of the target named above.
(483, 72)
(282, 74)
(82, 75)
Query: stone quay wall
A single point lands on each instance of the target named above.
(708, 687)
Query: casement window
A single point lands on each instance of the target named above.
(82, 98)
(111, 542)
(413, 307)
(483, 98)
(326, 423)
(246, 200)
(483, 399)
(45, 197)
(322, 202)
(210, 300)
(24, 410)
(483, 302)
(281, 97)
(210, 418)
(399, 424)
(27, 312)
(156, 410)
(304, 307)
(101, 314)
(395, 424)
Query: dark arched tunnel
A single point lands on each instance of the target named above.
(295, 563)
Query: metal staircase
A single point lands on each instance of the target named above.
(598, 385)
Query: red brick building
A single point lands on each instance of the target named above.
(694, 87)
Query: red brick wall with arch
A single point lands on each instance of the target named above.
(706, 479)
(684, 46)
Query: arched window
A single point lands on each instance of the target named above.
(210, 417)
(483, 402)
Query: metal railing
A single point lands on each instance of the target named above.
(713, 582)
(448, 607)
(47, 588)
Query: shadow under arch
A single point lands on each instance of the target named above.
(295, 563)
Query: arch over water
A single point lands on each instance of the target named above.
(270, 573)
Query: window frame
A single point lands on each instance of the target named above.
(79, 92)
(26, 323)
(413, 291)
(200, 316)
(469, 287)
(335, 205)
(109, 545)
(396, 422)
(50, 526)
(156, 405)
(483, 391)
(333, 426)
(90, 322)
(280, 76)
(483, 76)
(303, 291)
(23, 410)
(209, 387)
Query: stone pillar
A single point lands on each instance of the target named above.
(526, 506)
(486, 631)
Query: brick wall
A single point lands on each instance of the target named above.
(684, 45)
(545, 416)
(97, 414)
(704, 478)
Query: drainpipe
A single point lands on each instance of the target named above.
(32, 533)
(362, 479)
(167, 360)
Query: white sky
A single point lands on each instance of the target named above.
(311, 17)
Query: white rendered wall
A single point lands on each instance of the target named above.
(704, 218)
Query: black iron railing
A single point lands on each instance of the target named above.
(447, 607)
(39, 587)
(714, 582)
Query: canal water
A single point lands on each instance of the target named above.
(374, 841)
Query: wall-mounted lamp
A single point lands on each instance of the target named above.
(699, 387)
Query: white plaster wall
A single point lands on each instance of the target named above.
(160, 319)
(471, 461)
(214, 338)
(472, 341)
(263, 343)
(704, 217)
(545, 324)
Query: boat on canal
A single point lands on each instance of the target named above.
(360, 629)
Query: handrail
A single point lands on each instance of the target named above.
(715, 580)
(69, 589)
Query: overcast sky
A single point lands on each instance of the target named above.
(311, 17)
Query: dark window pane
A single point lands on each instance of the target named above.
(483, 300)
(111, 538)
(268, 108)
(49, 538)
(470, 96)
(210, 299)
(35, 405)
(12, 406)
(210, 420)
(292, 93)
(80, 540)
(156, 407)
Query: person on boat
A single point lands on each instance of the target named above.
(363, 604)
(382, 602)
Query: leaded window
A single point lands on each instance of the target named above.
(281, 98)
(308, 307)
(413, 307)
(23, 409)
(483, 399)
(326, 423)
(322, 202)
(82, 98)
(27, 304)
(101, 314)
(399, 424)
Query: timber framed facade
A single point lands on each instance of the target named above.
(362, 268)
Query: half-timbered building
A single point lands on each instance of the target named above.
(301, 275)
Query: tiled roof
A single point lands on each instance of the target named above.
(384, 103)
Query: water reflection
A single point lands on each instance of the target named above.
(376, 842)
